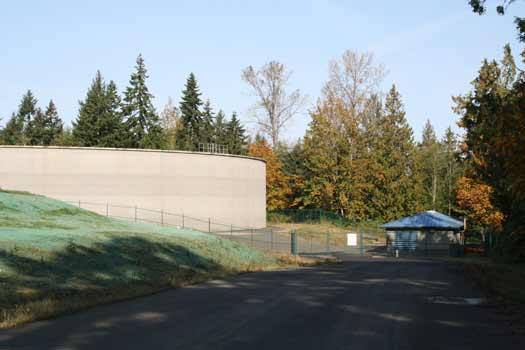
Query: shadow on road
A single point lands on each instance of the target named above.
(361, 303)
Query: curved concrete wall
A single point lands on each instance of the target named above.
(227, 189)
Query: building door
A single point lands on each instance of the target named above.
(405, 240)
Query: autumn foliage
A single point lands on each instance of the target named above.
(277, 188)
(475, 198)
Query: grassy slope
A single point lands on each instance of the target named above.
(56, 258)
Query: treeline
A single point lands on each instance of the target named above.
(492, 191)
(107, 119)
(358, 156)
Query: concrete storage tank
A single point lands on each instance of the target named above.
(225, 188)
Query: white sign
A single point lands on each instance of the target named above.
(351, 239)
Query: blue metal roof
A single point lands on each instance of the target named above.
(429, 220)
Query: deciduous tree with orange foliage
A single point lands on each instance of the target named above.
(475, 199)
(277, 188)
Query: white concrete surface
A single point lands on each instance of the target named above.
(225, 188)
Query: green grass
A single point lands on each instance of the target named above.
(56, 258)
(502, 281)
(317, 232)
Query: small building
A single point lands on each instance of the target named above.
(426, 232)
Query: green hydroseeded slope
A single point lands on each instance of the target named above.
(50, 249)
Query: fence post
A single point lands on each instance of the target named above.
(209, 225)
(251, 232)
(162, 217)
(293, 243)
(362, 250)
(182, 220)
(231, 230)
(135, 213)
(79, 204)
(107, 209)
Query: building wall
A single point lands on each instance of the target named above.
(225, 188)
(427, 240)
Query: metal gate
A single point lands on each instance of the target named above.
(354, 241)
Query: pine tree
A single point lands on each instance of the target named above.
(508, 68)
(84, 131)
(332, 152)
(111, 128)
(13, 132)
(27, 108)
(371, 159)
(99, 122)
(293, 160)
(397, 159)
(188, 135)
(220, 128)
(36, 128)
(235, 136)
(487, 128)
(142, 121)
(453, 169)
(206, 134)
(26, 112)
(430, 167)
(44, 128)
(65, 138)
(494, 122)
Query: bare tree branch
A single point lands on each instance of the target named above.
(276, 107)
(354, 79)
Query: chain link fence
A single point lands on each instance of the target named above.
(266, 239)
(355, 240)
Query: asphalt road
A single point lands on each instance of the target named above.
(360, 304)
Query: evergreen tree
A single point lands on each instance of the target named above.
(398, 188)
(27, 108)
(487, 129)
(371, 160)
(453, 169)
(111, 128)
(332, 151)
(220, 128)
(65, 138)
(235, 136)
(13, 132)
(142, 121)
(494, 147)
(44, 128)
(430, 167)
(206, 134)
(508, 68)
(293, 161)
(188, 135)
(99, 121)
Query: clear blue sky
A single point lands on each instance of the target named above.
(431, 49)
